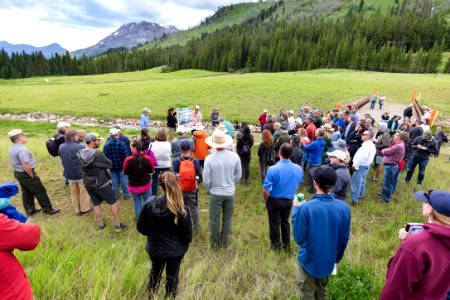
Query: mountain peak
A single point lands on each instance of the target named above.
(128, 36)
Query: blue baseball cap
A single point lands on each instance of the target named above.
(438, 199)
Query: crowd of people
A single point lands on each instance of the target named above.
(333, 150)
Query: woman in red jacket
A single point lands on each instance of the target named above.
(420, 268)
(14, 283)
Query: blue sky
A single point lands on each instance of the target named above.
(77, 24)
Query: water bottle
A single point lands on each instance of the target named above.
(300, 197)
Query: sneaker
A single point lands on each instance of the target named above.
(126, 197)
(120, 228)
(51, 211)
(100, 228)
(33, 212)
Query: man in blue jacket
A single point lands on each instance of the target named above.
(314, 151)
(321, 227)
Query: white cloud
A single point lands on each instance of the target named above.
(77, 24)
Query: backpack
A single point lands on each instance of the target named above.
(186, 174)
(52, 147)
(246, 151)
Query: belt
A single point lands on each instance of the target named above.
(390, 164)
(272, 198)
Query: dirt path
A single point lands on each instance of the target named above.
(392, 108)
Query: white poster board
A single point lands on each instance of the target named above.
(184, 116)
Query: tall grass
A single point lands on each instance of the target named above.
(75, 261)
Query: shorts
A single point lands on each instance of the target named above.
(105, 193)
(378, 159)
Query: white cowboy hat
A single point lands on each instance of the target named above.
(219, 139)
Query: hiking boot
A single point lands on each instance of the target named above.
(120, 228)
(33, 211)
(100, 228)
(51, 211)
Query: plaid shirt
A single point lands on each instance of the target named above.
(116, 151)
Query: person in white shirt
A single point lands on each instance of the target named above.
(162, 149)
(361, 165)
(291, 120)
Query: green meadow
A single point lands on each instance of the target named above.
(238, 97)
(75, 261)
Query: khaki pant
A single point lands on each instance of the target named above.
(80, 197)
(310, 287)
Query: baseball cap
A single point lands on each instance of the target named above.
(92, 137)
(325, 176)
(181, 129)
(338, 154)
(62, 124)
(114, 131)
(438, 199)
(185, 145)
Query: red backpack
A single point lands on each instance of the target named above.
(187, 179)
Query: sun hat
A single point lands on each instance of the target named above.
(327, 127)
(222, 127)
(325, 176)
(219, 139)
(182, 129)
(113, 131)
(146, 110)
(438, 199)
(92, 137)
(340, 144)
(15, 133)
(199, 126)
(62, 124)
(197, 107)
(338, 154)
(265, 110)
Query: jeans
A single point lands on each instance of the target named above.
(122, 179)
(155, 179)
(359, 183)
(279, 211)
(218, 204)
(372, 105)
(263, 166)
(172, 265)
(262, 127)
(139, 199)
(245, 165)
(390, 172)
(396, 180)
(413, 162)
(191, 202)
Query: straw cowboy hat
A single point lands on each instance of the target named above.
(328, 127)
(219, 139)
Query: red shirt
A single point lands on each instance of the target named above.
(14, 283)
(262, 119)
(311, 131)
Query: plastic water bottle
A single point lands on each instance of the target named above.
(300, 197)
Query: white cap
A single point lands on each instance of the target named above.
(182, 129)
(265, 110)
(339, 154)
(197, 107)
(62, 124)
(114, 131)
(290, 112)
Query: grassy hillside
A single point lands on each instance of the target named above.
(225, 17)
(238, 97)
(74, 261)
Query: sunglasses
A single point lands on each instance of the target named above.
(428, 195)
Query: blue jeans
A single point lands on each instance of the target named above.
(389, 182)
(155, 176)
(359, 183)
(413, 162)
(139, 199)
(396, 180)
(122, 179)
(372, 105)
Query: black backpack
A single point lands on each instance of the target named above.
(52, 147)
(246, 151)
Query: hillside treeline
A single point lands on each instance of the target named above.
(395, 43)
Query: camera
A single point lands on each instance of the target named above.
(414, 228)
